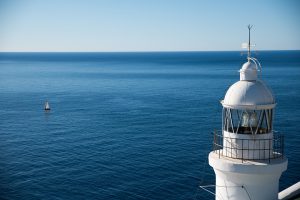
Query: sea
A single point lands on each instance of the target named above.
(128, 125)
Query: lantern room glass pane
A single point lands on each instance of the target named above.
(247, 121)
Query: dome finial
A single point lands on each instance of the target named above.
(249, 69)
(249, 42)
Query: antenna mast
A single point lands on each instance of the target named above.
(249, 44)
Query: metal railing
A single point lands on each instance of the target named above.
(249, 149)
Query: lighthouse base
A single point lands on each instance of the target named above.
(236, 180)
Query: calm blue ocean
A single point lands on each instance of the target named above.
(126, 125)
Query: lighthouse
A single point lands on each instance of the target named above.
(248, 156)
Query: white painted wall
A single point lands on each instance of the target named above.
(249, 180)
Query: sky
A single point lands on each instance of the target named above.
(147, 25)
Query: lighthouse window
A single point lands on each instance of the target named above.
(231, 118)
(247, 121)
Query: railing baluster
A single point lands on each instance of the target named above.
(259, 150)
(269, 150)
(242, 150)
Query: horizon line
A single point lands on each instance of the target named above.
(151, 51)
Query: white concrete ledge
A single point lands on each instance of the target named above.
(235, 165)
(290, 192)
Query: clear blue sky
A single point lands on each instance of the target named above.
(147, 25)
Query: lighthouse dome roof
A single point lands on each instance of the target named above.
(249, 95)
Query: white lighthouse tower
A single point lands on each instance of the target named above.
(247, 155)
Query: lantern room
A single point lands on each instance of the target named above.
(248, 104)
(247, 117)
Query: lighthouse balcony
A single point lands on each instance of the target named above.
(260, 147)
